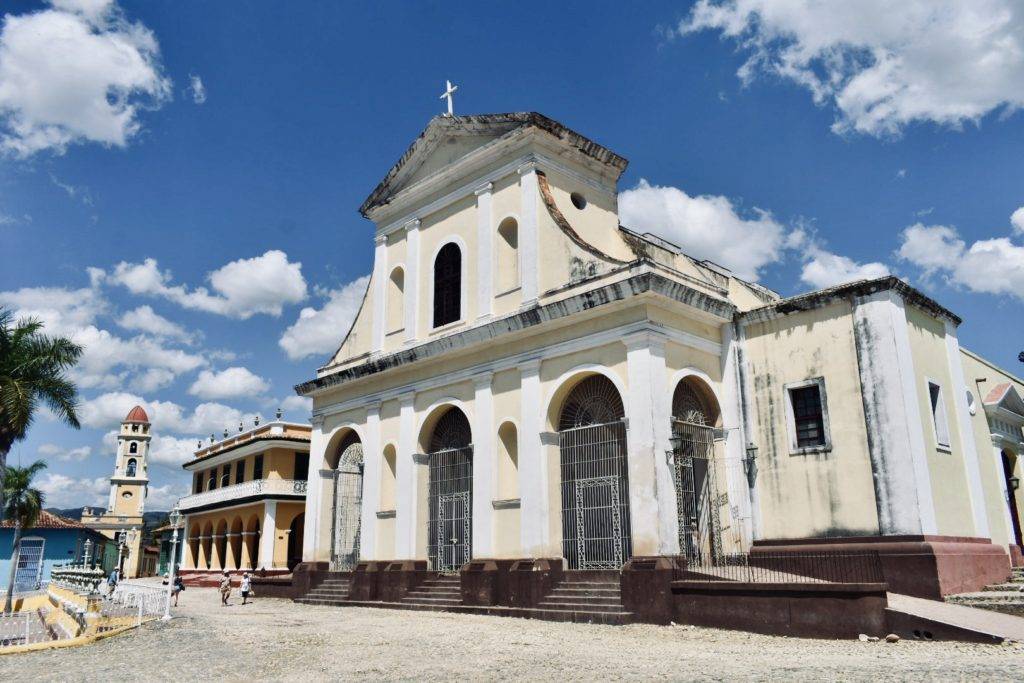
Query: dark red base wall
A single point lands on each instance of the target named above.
(922, 566)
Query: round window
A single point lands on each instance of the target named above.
(126, 495)
(578, 200)
(972, 407)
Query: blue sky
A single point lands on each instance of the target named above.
(231, 145)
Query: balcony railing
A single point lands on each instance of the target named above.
(244, 490)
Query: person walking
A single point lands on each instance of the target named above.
(112, 581)
(179, 586)
(225, 588)
(246, 587)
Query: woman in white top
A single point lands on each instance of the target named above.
(246, 587)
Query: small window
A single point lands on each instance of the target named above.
(135, 428)
(257, 467)
(939, 415)
(807, 411)
(301, 466)
(578, 200)
(127, 495)
(225, 476)
(132, 466)
(133, 447)
(239, 471)
(29, 573)
(448, 285)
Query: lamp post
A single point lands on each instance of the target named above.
(122, 539)
(175, 520)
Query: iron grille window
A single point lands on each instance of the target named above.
(447, 285)
(808, 418)
(239, 471)
(257, 467)
(301, 466)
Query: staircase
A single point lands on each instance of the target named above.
(440, 592)
(1007, 598)
(588, 597)
(332, 591)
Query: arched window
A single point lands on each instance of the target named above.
(507, 266)
(447, 285)
(508, 462)
(133, 447)
(132, 465)
(387, 478)
(396, 300)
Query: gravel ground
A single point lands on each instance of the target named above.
(279, 640)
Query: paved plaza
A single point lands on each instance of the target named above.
(279, 640)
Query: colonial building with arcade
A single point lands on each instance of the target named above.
(529, 379)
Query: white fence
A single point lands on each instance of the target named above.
(26, 628)
(130, 599)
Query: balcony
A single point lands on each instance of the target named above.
(248, 489)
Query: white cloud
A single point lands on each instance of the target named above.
(881, 64)
(153, 379)
(62, 491)
(62, 311)
(231, 383)
(107, 410)
(298, 405)
(164, 497)
(242, 288)
(318, 332)
(706, 226)
(1017, 220)
(196, 89)
(824, 269)
(145, 319)
(54, 452)
(76, 72)
(170, 450)
(992, 266)
(104, 353)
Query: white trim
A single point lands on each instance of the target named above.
(265, 553)
(535, 506)
(380, 269)
(463, 265)
(406, 489)
(485, 241)
(412, 258)
(428, 413)
(372, 453)
(794, 447)
(589, 368)
(484, 464)
(529, 232)
(937, 412)
(737, 479)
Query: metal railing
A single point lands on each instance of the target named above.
(134, 600)
(81, 578)
(244, 490)
(808, 567)
(25, 628)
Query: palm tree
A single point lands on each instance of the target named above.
(32, 367)
(23, 505)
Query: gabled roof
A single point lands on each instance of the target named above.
(1005, 396)
(441, 128)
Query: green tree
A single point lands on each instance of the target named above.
(22, 505)
(32, 367)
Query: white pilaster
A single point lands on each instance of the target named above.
(113, 497)
(903, 492)
(533, 465)
(268, 535)
(484, 466)
(314, 493)
(406, 494)
(485, 257)
(735, 436)
(529, 249)
(371, 485)
(652, 500)
(968, 448)
(380, 277)
(412, 270)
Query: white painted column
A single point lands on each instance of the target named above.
(406, 494)
(412, 274)
(314, 493)
(903, 490)
(533, 466)
(652, 500)
(380, 277)
(371, 485)
(735, 436)
(268, 535)
(529, 248)
(484, 466)
(485, 256)
(968, 448)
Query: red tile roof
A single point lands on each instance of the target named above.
(48, 520)
(137, 414)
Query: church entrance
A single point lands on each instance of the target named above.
(595, 479)
(348, 501)
(450, 493)
(694, 474)
(1009, 460)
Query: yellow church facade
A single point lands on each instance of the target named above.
(527, 378)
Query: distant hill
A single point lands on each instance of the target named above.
(151, 518)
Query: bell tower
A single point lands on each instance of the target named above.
(130, 482)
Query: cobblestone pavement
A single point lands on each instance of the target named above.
(279, 640)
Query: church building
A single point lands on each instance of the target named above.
(528, 378)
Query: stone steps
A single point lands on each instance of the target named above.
(617, 618)
(584, 594)
(442, 591)
(1004, 587)
(1006, 598)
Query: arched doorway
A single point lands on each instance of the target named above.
(295, 532)
(348, 503)
(1009, 463)
(235, 544)
(595, 481)
(450, 492)
(694, 470)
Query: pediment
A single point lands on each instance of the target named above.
(1006, 399)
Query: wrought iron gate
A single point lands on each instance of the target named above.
(347, 513)
(450, 531)
(595, 496)
(697, 494)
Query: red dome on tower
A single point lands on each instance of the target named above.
(137, 414)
